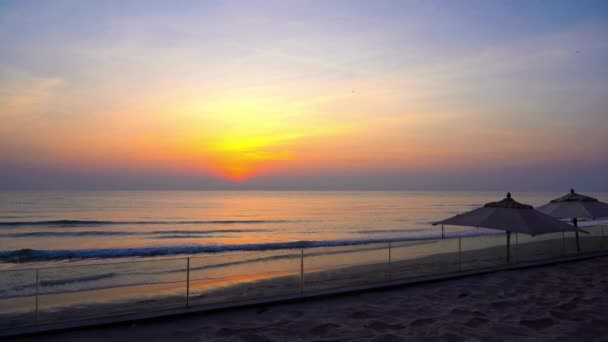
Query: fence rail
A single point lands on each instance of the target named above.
(70, 293)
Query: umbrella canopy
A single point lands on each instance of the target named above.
(575, 205)
(510, 216)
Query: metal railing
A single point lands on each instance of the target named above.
(63, 293)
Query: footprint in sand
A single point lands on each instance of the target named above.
(227, 332)
(381, 326)
(183, 335)
(261, 310)
(476, 322)
(323, 329)
(396, 313)
(461, 311)
(478, 313)
(422, 321)
(358, 315)
(570, 305)
(537, 324)
(501, 305)
(296, 314)
(450, 337)
(387, 338)
(250, 337)
(568, 315)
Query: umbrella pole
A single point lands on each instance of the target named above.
(578, 246)
(508, 246)
(442, 232)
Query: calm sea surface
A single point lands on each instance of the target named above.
(57, 227)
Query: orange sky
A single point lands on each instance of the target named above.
(238, 92)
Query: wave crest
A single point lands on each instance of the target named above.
(75, 223)
(30, 255)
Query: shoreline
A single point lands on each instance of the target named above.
(264, 287)
(560, 302)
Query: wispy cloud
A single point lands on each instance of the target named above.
(302, 87)
(23, 94)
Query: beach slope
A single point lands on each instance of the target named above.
(566, 302)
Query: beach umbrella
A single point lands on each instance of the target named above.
(510, 216)
(574, 206)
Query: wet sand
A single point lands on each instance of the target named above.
(566, 302)
(232, 288)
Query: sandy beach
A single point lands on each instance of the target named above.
(563, 302)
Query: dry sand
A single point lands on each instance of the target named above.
(566, 302)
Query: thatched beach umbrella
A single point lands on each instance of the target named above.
(510, 216)
(574, 206)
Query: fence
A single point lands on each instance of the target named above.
(70, 293)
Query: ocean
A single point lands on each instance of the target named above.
(124, 249)
(43, 228)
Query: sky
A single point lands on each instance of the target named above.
(311, 95)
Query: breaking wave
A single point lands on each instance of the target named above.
(31, 255)
(156, 233)
(80, 223)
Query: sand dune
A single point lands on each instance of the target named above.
(566, 302)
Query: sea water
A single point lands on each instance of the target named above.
(60, 226)
(95, 241)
